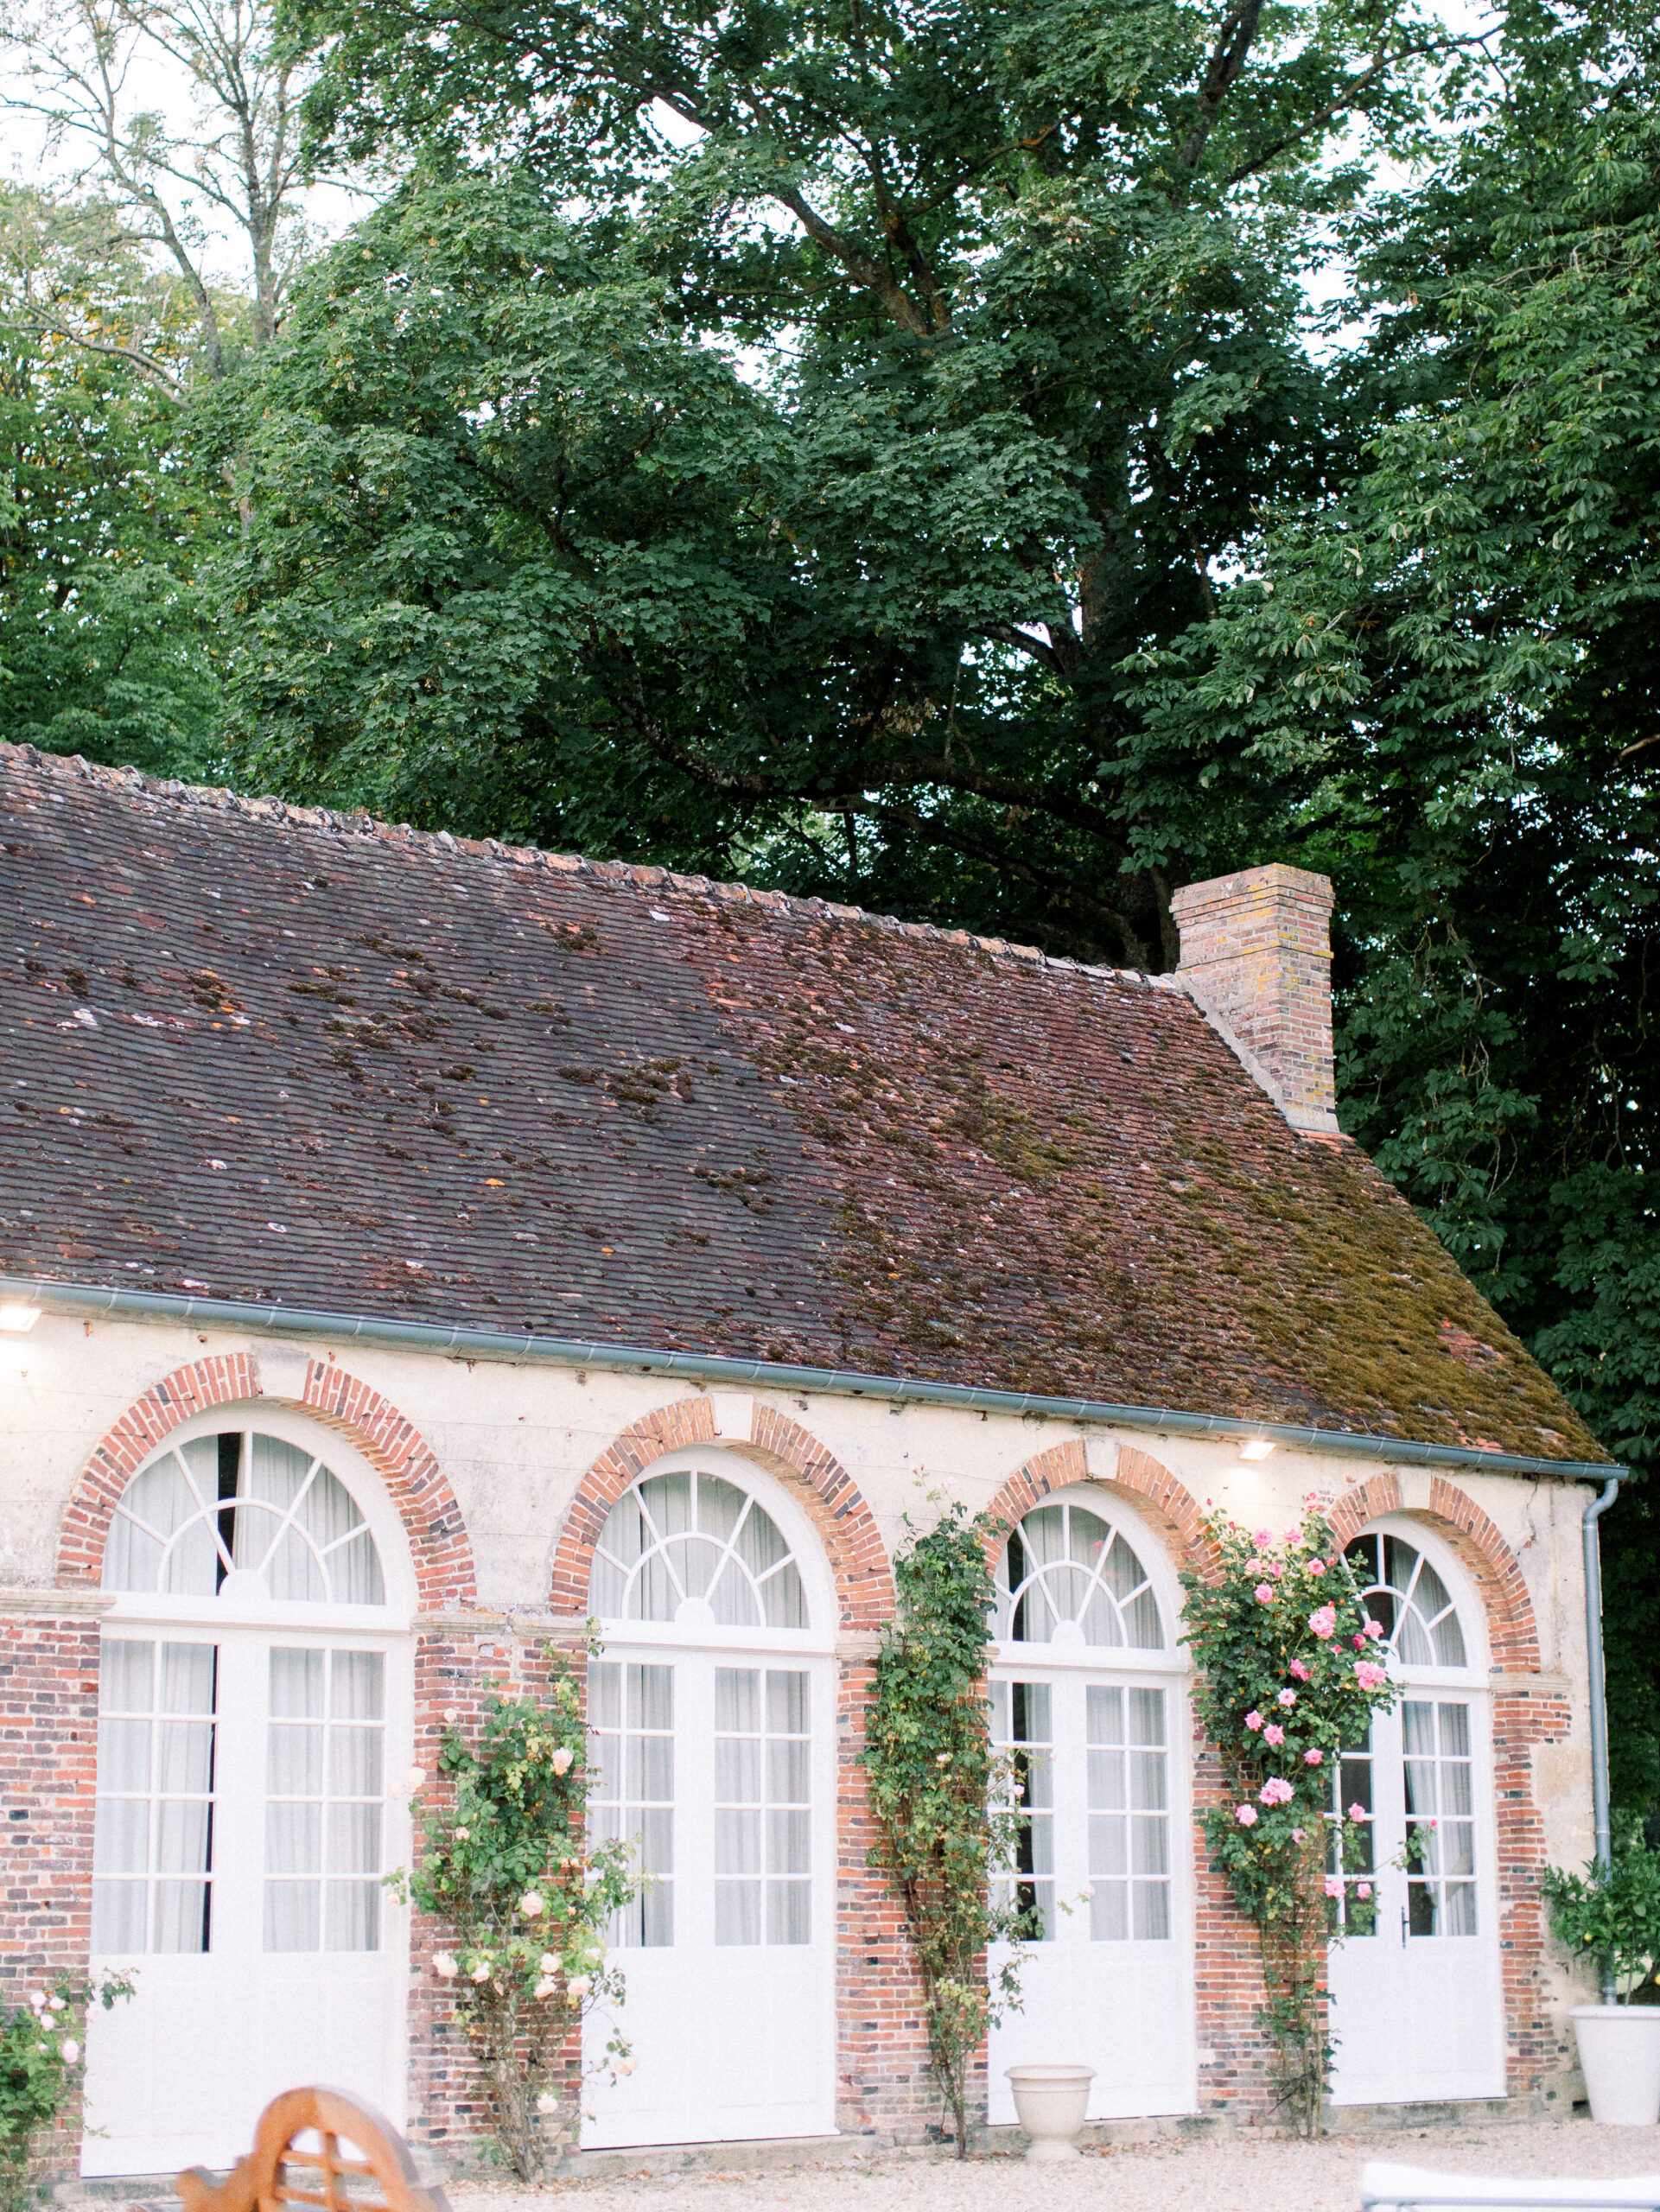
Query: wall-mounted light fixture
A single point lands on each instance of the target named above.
(1256, 1447)
(16, 1319)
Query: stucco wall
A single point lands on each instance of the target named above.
(487, 1462)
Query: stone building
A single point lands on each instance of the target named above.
(413, 1247)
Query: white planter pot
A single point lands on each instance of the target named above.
(1050, 2102)
(1619, 2052)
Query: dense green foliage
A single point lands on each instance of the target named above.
(40, 2066)
(1610, 1914)
(525, 1896)
(104, 621)
(888, 453)
(1288, 1672)
(939, 1798)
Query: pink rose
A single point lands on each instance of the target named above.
(1263, 1539)
(1374, 1628)
(1246, 1815)
(1324, 1623)
(1369, 1676)
(1265, 1593)
(1286, 1699)
(1274, 1735)
(1253, 1720)
(1312, 1758)
(1317, 1567)
(1358, 1811)
(1275, 1791)
(1333, 1887)
(1298, 1670)
(1359, 1643)
(1363, 1889)
(1275, 1569)
(1296, 1835)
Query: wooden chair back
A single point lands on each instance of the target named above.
(381, 2178)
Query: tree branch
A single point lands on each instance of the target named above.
(1228, 59)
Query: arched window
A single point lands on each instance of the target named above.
(266, 1518)
(254, 1717)
(1065, 1568)
(1408, 1598)
(710, 1713)
(1416, 1978)
(1087, 1704)
(689, 1546)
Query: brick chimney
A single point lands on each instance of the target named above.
(1256, 955)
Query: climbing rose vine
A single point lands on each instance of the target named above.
(523, 1898)
(941, 1796)
(1290, 1670)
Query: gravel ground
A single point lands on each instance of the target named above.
(1232, 2174)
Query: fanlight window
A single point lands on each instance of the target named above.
(266, 1518)
(1065, 1564)
(675, 1543)
(1408, 1598)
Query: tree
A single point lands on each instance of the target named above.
(104, 625)
(240, 164)
(1446, 686)
(1025, 290)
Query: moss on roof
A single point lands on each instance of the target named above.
(259, 1053)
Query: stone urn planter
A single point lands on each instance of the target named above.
(1050, 2103)
(1619, 2054)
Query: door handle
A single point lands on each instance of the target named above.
(1403, 1928)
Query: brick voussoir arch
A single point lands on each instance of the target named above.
(846, 1527)
(1170, 1506)
(1480, 1545)
(419, 1491)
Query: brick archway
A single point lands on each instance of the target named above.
(1475, 1540)
(1166, 1504)
(439, 1549)
(843, 1522)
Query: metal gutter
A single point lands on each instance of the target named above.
(85, 1301)
(1601, 1812)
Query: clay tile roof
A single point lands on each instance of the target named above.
(261, 1052)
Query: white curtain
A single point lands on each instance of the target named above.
(153, 1826)
(325, 1769)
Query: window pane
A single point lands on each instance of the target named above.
(181, 1833)
(296, 1685)
(294, 1837)
(121, 1838)
(187, 1677)
(737, 1912)
(123, 1755)
(154, 1819)
(295, 1766)
(119, 1915)
(293, 1916)
(182, 1923)
(789, 1908)
(353, 1917)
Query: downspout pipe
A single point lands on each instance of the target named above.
(1600, 1812)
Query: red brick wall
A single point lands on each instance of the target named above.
(48, 1747)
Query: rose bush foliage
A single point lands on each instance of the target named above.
(1290, 1670)
(506, 1865)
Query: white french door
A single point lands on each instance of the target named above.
(1416, 2008)
(716, 1765)
(242, 1824)
(1103, 1881)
